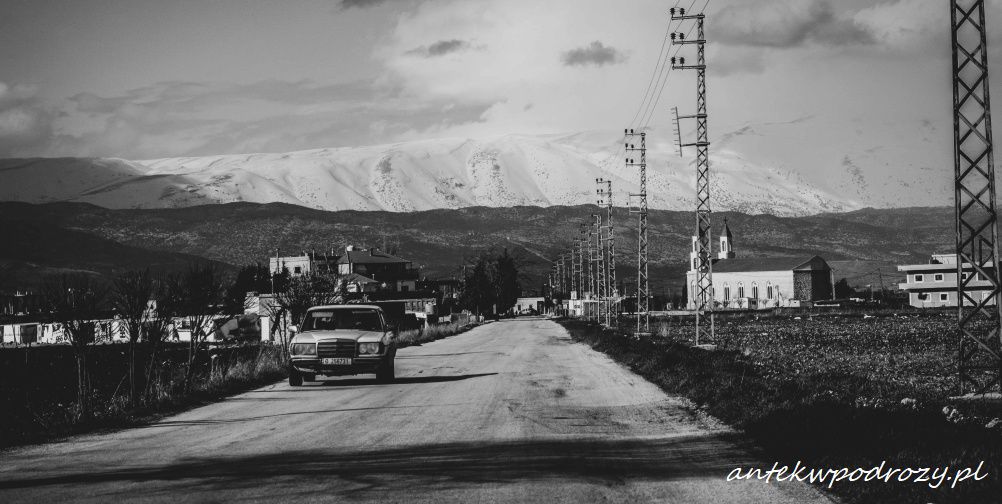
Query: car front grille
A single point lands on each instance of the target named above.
(339, 348)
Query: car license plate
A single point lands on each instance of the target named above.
(336, 361)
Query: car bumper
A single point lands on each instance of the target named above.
(359, 365)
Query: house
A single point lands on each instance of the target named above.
(308, 262)
(934, 285)
(524, 304)
(391, 272)
(355, 283)
(761, 282)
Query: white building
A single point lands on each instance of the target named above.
(934, 285)
(309, 262)
(761, 282)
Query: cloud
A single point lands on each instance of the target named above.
(440, 48)
(361, 4)
(787, 23)
(593, 54)
(24, 121)
(178, 118)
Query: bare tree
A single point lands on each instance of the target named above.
(75, 302)
(200, 300)
(305, 291)
(130, 298)
(167, 299)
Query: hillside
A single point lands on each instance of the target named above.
(857, 243)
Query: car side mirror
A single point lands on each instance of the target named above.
(293, 329)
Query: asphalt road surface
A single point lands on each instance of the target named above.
(513, 411)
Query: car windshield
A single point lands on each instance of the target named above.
(330, 320)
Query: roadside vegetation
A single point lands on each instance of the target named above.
(48, 391)
(829, 392)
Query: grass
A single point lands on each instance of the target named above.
(37, 411)
(822, 399)
(431, 333)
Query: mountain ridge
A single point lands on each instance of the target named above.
(510, 170)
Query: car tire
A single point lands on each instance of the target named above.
(386, 373)
(295, 379)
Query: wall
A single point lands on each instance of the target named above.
(782, 284)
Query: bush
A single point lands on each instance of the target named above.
(38, 390)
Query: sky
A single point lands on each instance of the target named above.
(142, 79)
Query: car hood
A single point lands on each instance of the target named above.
(341, 334)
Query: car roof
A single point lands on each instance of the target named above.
(346, 307)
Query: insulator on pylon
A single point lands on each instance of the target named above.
(672, 60)
(673, 36)
(672, 11)
(681, 36)
(681, 12)
(681, 61)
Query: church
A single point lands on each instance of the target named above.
(761, 282)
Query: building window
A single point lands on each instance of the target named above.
(404, 288)
(919, 278)
(938, 277)
(768, 291)
(923, 296)
(741, 290)
(754, 291)
(297, 270)
(944, 297)
(727, 291)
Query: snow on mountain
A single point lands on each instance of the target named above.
(452, 173)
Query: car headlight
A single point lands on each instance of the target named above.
(304, 349)
(368, 348)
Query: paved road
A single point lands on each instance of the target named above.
(509, 412)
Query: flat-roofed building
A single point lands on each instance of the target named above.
(934, 284)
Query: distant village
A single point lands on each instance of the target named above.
(374, 276)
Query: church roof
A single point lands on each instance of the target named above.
(801, 263)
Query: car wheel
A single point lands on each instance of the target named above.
(309, 377)
(295, 379)
(386, 373)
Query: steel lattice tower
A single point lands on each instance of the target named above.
(605, 198)
(980, 360)
(582, 272)
(600, 277)
(703, 295)
(643, 298)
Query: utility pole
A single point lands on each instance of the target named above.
(560, 274)
(643, 301)
(600, 277)
(605, 197)
(703, 297)
(586, 262)
(980, 325)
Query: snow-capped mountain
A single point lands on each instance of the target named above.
(505, 171)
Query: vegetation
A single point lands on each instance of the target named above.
(829, 392)
(72, 235)
(491, 284)
(431, 333)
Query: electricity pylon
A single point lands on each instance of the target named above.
(643, 298)
(703, 295)
(600, 277)
(980, 328)
(605, 197)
